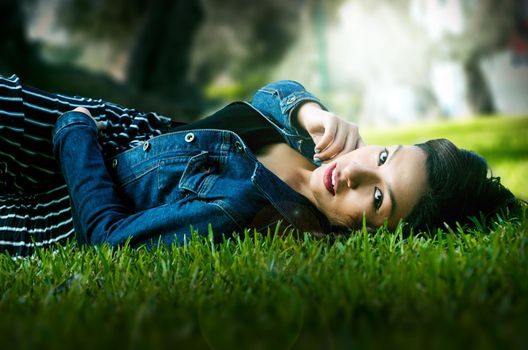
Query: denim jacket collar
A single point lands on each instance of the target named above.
(292, 206)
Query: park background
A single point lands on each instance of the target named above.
(382, 64)
(375, 62)
(405, 70)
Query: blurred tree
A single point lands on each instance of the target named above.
(165, 38)
(488, 29)
(489, 26)
(320, 34)
(181, 46)
(15, 51)
(161, 32)
(242, 42)
(159, 60)
(98, 19)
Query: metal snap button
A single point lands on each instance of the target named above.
(114, 163)
(239, 146)
(146, 146)
(291, 99)
(189, 137)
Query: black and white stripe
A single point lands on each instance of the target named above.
(34, 202)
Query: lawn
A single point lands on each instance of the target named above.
(455, 289)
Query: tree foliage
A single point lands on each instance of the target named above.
(115, 20)
(231, 37)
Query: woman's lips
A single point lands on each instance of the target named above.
(327, 179)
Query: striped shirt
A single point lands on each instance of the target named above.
(34, 202)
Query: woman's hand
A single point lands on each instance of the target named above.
(100, 125)
(332, 135)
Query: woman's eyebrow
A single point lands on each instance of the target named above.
(389, 186)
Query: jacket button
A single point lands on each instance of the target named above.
(291, 100)
(189, 137)
(114, 163)
(146, 146)
(239, 146)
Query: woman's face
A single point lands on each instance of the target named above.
(382, 183)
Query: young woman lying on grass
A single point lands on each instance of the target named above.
(123, 174)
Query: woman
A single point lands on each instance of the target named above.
(139, 177)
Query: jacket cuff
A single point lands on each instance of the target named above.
(71, 119)
(290, 96)
(290, 103)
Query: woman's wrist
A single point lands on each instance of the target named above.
(304, 113)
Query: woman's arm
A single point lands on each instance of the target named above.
(100, 214)
(302, 116)
(95, 204)
(279, 102)
(332, 135)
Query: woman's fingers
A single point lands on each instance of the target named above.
(332, 135)
(82, 110)
(328, 137)
(100, 125)
(336, 146)
(350, 145)
(339, 138)
(360, 143)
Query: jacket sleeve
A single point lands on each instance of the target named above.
(279, 102)
(100, 214)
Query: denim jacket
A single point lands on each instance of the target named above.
(201, 179)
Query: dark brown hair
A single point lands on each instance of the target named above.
(460, 187)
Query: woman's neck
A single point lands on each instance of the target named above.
(289, 165)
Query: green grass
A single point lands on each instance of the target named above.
(461, 289)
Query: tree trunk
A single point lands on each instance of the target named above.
(479, 96)
(160, 59)
(15, 52)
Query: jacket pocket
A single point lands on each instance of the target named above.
(200, 174)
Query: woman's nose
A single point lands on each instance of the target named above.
(357, 174)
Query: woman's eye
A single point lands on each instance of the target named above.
(378, 198)
(383, 156)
